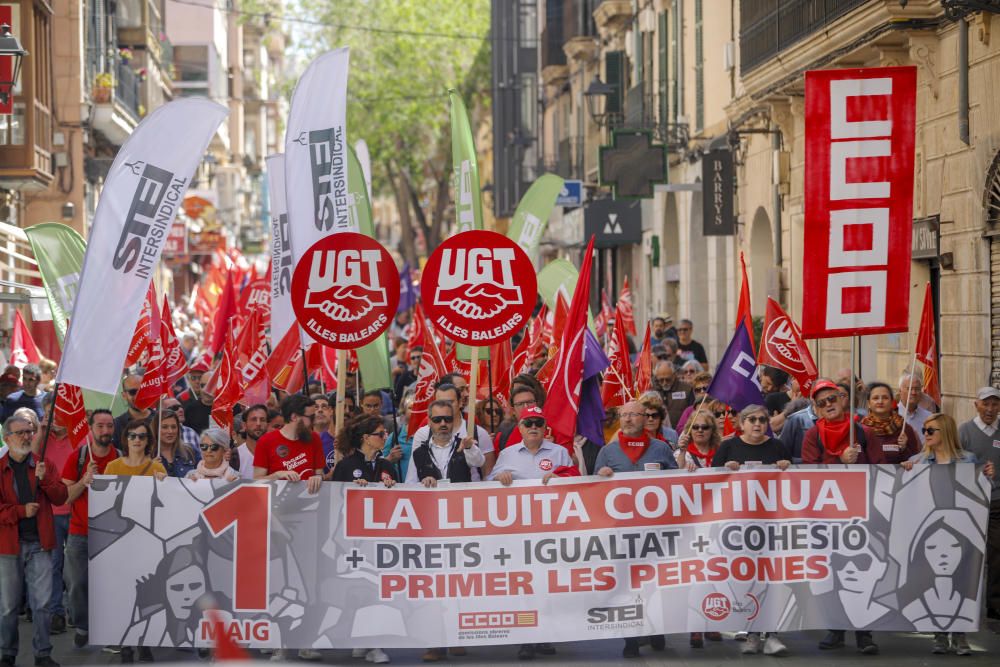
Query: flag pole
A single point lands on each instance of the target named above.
(305, 372)
(470, 428)
(489, 398)
(341, 382)
(690, 421)
(850, 379)
(48, 424)
(159, 427)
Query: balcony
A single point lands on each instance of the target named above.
(140, 26)
(768, 27)
(116, 103)
(640, 114)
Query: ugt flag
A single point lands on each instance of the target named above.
(736, 382)
(144, 189)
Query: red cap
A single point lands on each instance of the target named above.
(202, 365)
(9, 378)
(532, 412)
(821, 385)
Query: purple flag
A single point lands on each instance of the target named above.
(590, 417)
(736, 382)
(407, 295)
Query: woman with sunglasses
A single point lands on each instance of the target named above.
(752, 448)
(361, 441)
(699, 388)
(137, 459)
(489, 415)
(697, 447)
(214, 462)
(892, 439)
(654, 414)
(177, 458)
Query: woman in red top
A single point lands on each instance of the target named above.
(893, 440)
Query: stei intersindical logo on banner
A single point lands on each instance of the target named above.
(479, 288)
(345, 290)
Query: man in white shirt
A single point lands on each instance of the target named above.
(450, 393)
(911, 392)
(255, 425)
(446, 455)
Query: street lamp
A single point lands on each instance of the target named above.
(597, 95)
(9, 46)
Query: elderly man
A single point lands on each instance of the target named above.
(27, 538)
(677, 395)
(911, 392)
(981, 436)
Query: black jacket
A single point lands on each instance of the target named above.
(458, 469)
(354, 467)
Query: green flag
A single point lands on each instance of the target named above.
(59, 252)
(559, 276)
(532, 214)
(373, 358)
(468, 205)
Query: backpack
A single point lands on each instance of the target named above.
(83, 457)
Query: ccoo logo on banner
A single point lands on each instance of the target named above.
(479, 287)
(860, 127)
(345, 290)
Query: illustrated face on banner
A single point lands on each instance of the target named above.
(345, 290)
(183, 589)
(479, 288)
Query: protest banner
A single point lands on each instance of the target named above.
(859, 152)
(579, 558)
(143, 190)
(282, 315)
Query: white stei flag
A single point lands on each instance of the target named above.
(143, 190)
(282, 313)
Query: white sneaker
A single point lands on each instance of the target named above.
(278, 655)
(752, 644)
(740, 636)
(377, 656)
(774, 646)
(359, 652)
(309, 654)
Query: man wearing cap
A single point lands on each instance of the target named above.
(911, 392)
(533, 458)
(197, 408)
(981, 436)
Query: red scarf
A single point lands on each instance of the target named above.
(634, 448)
(835, 435)
(706, 459)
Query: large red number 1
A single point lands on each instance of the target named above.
(247, 508)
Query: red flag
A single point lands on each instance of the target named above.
(743, 309)
(536, 336)
(141, 337)
(432, 367)
(174, 366)
(618, 378)
(563, 402)
(559, 320)
(644, 370)
(501, 363)
(228, 380)
(728, 428)
(22, 348)
(328, 367)
(284, 358)
(224, 310)
(225, 647)
(71, 414)
(782, 346)
(417, 328)
(152, 387)
(927, 348)
(624, 307)
(603, 317)
(251, 361)
(521, 358)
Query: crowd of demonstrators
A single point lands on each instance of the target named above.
(295, 438)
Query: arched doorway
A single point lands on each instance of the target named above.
(761, 262)
(991, 218)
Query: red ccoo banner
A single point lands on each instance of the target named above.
(859, 201)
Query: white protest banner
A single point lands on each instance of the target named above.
(144, 188)
(282, 314)
(580, 558)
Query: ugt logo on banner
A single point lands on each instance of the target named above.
(479, 287)
(858, 201)
(345, 290)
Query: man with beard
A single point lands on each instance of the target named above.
(444, 455)
(255, 426)
(677, 395)
(29, 396)
(293, 452)
(27, 539)
(130, 387)
(77, 474)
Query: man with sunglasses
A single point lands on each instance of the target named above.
(829, 441)
(453, 395)
(294, 452)
(29, 488)
(445, 455)
(130, 387)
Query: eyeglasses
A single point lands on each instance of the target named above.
(495, 411)
(829, 400)
(23, 432)
(525, 404)
(632, 414)
(136, 435)
(533, 422)
(929, 431)
(209, 448)
(861, 561)
(380, 434)
(700, 390)
(719, 414)
(757, 420)
(442, 419)
(701, 427)
(652, 415)
(683, 329)
(131, 392)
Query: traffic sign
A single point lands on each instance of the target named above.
(571, 194)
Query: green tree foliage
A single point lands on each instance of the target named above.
(402, 66)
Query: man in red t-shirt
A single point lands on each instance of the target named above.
(77, 474)
(294, 452)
